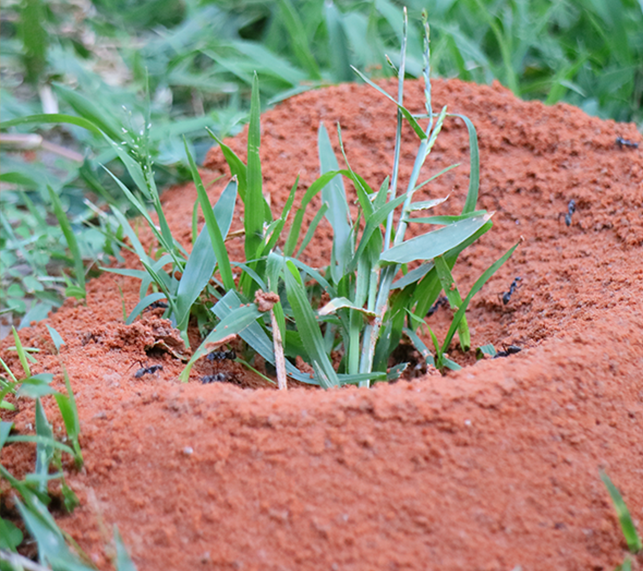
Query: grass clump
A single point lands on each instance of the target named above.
(371, 306)
(374, 301)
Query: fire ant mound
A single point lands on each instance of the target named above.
(491, 467)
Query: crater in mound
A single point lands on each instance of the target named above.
(492, 467)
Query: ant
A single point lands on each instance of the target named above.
(148, 371)
(621, 142)
(439, 303)
(216, 378)
(506, 295)
(511, 350)
(222, 356)
(156, 305)
(571, 208)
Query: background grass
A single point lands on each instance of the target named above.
(182, 66)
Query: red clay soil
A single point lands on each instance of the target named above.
(489, 468)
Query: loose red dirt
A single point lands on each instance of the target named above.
(489, 468)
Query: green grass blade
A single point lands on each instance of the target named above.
(47, 118)
(444, 220)
(56, 338)
(373, 222)
(237, 168)
(214, 231)
(22, 355)
(45, 442)
(69, 412)
(413, 276)
(72, 243)
(44, 452)
(298, 38)
(455, 300)
(311, 229)
(420, 346)
(123, 560)
(295, 229)
(10, 538)
(474, 161)
(632, 538)
(86, 108)
(254, 211)
(275, 228)
(337, 44)
(5, 429)
(428, 289)
(338, 214)
(407, 114)
(200, 265)
(308, 328)
(475, 289)
(487, 349)
(167, 246)
(434, 243)
(141, 305)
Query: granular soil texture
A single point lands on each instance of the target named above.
(489, 468)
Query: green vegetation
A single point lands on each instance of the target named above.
(180, 67)
(632, 538)
(368, 309)
(32, 496)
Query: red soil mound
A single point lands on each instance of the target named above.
(489, 468)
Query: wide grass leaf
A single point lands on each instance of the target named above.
(203, 259)
(436, 243)
(52, 548)
(214, 230)
(56, 338)
(338, 214)
(254, 209)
